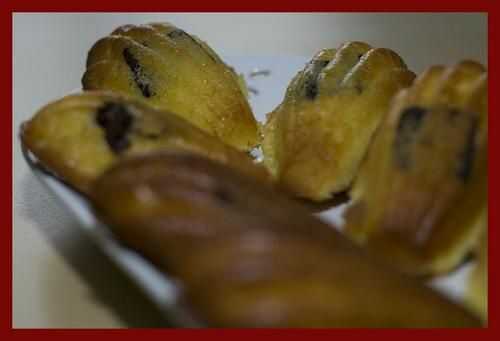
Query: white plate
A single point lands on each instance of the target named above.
(160, 288)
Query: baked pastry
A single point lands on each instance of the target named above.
(174, 71)
(420, 198)
(316, 138)
(81, 135)
(477, 292)
(247, 256)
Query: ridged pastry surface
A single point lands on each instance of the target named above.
(247, 256)
(420, 198)
(316, 138)
(172, 70)
(81, 135)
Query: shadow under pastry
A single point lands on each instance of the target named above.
(109, 285)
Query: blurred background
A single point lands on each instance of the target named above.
(59, 278)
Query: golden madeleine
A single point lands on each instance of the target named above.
(247, 256)
(477, 292)
(172, 70)
(81, 135)
(316, 138)
(420, 198)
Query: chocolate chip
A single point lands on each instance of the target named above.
(311, 90)
(311, 78)
(181, 33)
(322, 64)
(466, 157)
(176, 33)
(406, 132)
(116, 121)
(140, 79)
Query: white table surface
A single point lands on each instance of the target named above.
(60, 279)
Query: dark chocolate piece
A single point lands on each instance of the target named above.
(359, 88)
(311, 89)
(116, 121)
(407, 129)
(311, 78)
(181, 33)
(140, 78)
(466, 157)
(176, 33)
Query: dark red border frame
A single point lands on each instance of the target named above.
(9, 7)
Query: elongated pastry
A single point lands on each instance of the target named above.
(81, 135)
(175, 71)
(420, 198)
(316, 138)
(477, 293)
(247, 256)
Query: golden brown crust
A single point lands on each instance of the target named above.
(477, 292)
(422, 190)
(166, 67)
(247, 256)
(316, 138)
(68, 137)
